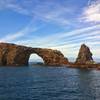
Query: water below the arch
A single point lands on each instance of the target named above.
(48, 83)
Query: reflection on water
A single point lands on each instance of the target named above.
(48, 83)
(88, 84)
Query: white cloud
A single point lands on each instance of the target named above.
(92, 12)
(25, 31)
(89, 36)
(65, 41)
(46, 11)
(68, 35)
(11, 37)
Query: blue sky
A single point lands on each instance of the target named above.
(56, 24)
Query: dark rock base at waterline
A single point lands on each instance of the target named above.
(75, 65)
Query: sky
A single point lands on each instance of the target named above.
(57, 24)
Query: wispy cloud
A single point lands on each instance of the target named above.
(68, 41)
(73, 34)
(46, 11)
(25, 31)
(51, 11)
(92, 12)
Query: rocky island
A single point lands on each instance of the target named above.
(84, 59)
(17, 55)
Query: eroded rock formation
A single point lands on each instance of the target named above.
(84, 56)
(16, 55)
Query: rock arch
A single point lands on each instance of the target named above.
(35, 59)
(16, 55)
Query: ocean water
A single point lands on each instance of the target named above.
(48, 83)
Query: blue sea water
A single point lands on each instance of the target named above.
(49, 83)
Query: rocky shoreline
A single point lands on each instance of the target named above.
(84, 59)
(86, 66)
(17, 55)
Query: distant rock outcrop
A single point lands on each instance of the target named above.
(84, 56)
(16, 55)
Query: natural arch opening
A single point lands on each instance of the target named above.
(35, 59)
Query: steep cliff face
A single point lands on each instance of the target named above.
(84, 56)
(11, 54)
(16, 55)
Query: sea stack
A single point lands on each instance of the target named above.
(84, 56)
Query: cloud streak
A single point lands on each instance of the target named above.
(73, 40)
(92, 12)
(25, 31)
(50, 11)
(47, 11)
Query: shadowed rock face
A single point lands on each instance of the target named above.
(16, 55)
(84, 56)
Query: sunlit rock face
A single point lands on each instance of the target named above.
(16, 55)
(51, 57)
(84, 56)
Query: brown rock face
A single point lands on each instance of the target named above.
(84, 56)
(16, 55)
